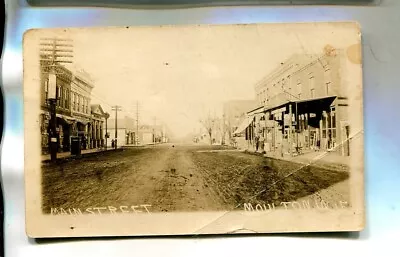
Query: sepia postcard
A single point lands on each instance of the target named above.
(193, 129)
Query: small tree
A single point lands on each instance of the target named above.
(209, 124)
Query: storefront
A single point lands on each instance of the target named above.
(296, 127)
(64, 126)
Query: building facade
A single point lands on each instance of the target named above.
(74, 115)
(302, 105)
(125, 131)
(81, 89)
(96, 132)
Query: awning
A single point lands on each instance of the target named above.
(315, 104)
(319, 99)
(83, 122)
(65, 118)
(245, 123)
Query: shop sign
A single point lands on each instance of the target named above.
(52, 86)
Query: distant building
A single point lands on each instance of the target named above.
(125, 131)
(234, 113)
(150, 134)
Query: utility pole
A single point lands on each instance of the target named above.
(154, 135)
(137, 123)
(223, 129)
(290, 130)
(107, 115)
(116, 108)
(53, 52)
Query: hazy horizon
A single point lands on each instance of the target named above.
(179, 75)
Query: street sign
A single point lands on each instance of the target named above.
(52, 86)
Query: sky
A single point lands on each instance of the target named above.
(180, 74)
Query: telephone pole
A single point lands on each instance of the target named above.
(154, 135)
(53, 52)
(137, 123)
(116, 108)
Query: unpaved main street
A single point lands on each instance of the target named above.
(170, 178)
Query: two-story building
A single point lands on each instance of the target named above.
(302, 104)
(81, 89)
(75, 116)
(64, 119)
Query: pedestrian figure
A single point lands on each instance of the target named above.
(112, 143)
(84, 142)
(257, 142)
(261, 140)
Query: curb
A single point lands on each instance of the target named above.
(77, 157)
(314, 163)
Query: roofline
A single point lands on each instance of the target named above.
(292, 101)
(254, 109)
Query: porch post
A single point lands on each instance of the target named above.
(290, 130)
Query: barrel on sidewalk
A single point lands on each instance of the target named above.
(75, 146)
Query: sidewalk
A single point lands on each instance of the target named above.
(324, 158)
(62, 155)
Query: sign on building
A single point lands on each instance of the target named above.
(52, 86)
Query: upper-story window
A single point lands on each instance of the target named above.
(299, 87)
(46, 90)
(312, 92)
(83, 104)
(264, 96)
(312, 84)
(59, 95)
(67, 99)
(79, 103)
(328, 87)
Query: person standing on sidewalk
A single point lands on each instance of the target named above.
(256, 139)
(261, 140)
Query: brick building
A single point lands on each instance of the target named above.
(302, 104)
(74, 115)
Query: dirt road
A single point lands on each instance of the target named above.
(166, 178)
